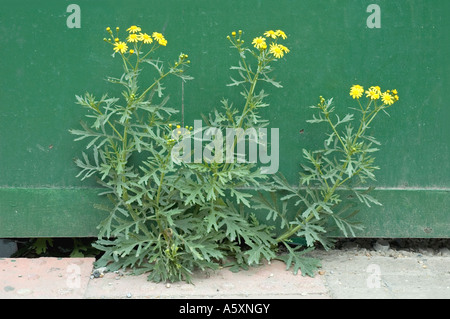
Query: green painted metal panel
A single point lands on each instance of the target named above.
(68, 212)
(44, 63)
(49, 212)
(407, 213)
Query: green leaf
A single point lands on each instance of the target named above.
(298, 261)
(41, 245)
(365, 198)
(241, 197)
(311, 232)
(273, 207)
(347, 118)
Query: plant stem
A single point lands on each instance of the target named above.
(363, 120)
(335, 131)
(328, 195)
(158, 194)
(245, 109)
(151, 86)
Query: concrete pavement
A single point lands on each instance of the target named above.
(344, 275)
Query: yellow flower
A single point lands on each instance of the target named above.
(270, 34)
(133, 38)
(394, 91)
(162, 42)
(356, 91)
(387, 98)
(259, 43)
(373, 93)
(286, 50)
(159, 38)
(276, 50)
(131, 51)
(134, 29)
(145, 38)
(120, 47)
(281, 34)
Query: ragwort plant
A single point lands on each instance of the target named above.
(169, 218)
(130, 157)
(345, 163)
(219, 190)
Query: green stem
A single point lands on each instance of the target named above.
(158, 194)
(295, 229)
(151, 86)
(363, 120)
(125, 61)
(330, 193)
(110, 124)
(292, 231)
(327, 116)
(246, 109)
(375, 112)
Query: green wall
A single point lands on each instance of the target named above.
(44, 64)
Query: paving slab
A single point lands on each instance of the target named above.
(269, 281)
(344, 275)
(44, 278)
(350, 275)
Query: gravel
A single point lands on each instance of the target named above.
(396, 247)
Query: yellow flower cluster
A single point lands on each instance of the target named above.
(374, 93)
(277, 50)
(159, 38)
(134, 36)
(179, 132)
